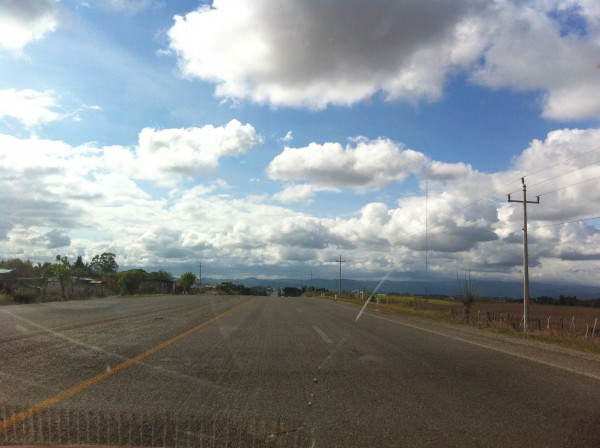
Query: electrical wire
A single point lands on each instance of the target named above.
(564, 222)
(561, 162)
(568, 186)
(563, 174)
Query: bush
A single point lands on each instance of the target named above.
(25, 295)
(129, 281)
(187, 280)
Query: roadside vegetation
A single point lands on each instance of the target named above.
(26, 282)
(22, 281)
(562, 321)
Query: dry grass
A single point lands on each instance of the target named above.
(567, 326)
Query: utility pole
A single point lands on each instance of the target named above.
(525, 254)
(426, 239)
(340, 261)
(200, 272)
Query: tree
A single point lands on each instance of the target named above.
(468, 293)
(161, 275)
(290, 291)
(104, 264)
(25, 268)
(111, 281)
(187, 280)
(79, 268)
(129, 281)
(62, 271)
(64, 260)
(43, 270)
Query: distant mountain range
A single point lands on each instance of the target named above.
(497, 289)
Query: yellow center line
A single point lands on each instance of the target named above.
(67, 393)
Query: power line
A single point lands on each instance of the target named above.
(565, 222)
(568, 186)
(561, 162)
(568, 172)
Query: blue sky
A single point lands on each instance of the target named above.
(266, 139)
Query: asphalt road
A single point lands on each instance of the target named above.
(267, 371)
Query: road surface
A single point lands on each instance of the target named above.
(267, 371)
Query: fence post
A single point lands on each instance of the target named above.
(594, 330)
(548, 324)
(587, 329)
(572, 326)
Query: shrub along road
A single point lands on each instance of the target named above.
(266, 371)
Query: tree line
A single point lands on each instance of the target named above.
(102, 269)
(567, 301)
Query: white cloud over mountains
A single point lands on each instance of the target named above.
(314, 54)
(86, 199)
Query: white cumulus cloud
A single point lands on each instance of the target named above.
(314, 54)
(30, 107)
(24, 21)
(168, 155)
(362, 164)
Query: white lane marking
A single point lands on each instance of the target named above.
(323, 335)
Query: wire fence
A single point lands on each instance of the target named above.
(551, 320)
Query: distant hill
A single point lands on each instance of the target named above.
(496, 289)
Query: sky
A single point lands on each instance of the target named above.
(268, 139)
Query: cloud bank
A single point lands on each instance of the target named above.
(86, 199)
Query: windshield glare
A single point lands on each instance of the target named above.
(299, 223)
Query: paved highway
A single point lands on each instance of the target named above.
(267, 371)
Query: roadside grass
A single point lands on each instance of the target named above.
(451, 312)
(575, 342)
(405, 299)
(6, 299)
